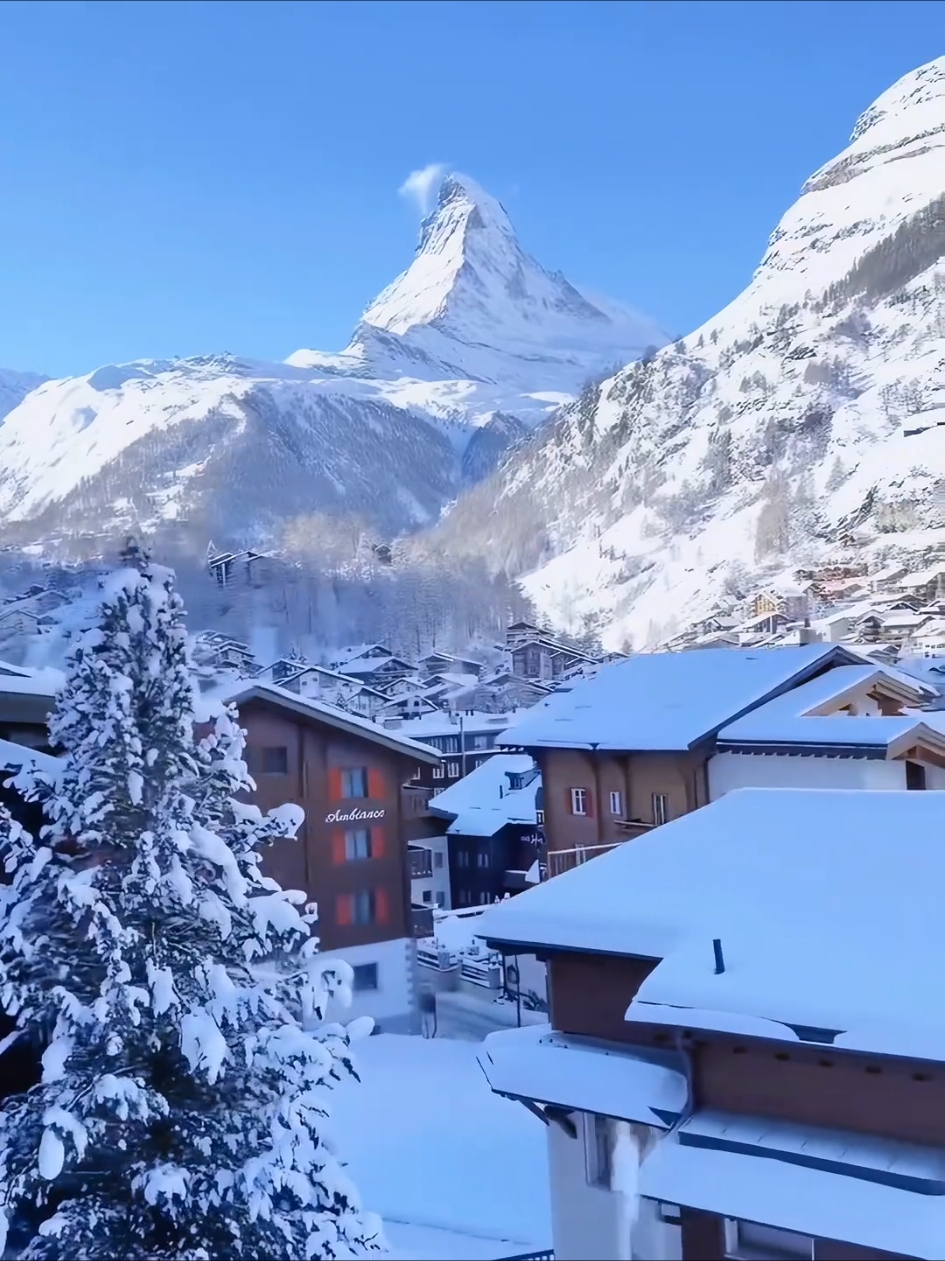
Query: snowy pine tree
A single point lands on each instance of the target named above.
(176, 990)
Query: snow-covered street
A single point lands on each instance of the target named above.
(456, 1172)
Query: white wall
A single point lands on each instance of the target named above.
(393, 1003)
(585, 1220)
(439, 882)
(777, 770)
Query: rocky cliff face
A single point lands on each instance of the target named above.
(806, 417)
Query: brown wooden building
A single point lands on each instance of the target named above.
(628, 750)
(749, 999)
(352, 779)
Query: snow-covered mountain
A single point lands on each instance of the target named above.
(806, 418)
(14, 387)
(465, 352)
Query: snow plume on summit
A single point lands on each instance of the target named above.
(808, 417)
(474, 345)
(473, 298)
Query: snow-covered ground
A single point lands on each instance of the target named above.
(455, 1171)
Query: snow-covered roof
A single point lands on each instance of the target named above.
(823, 902)
(42, 683)
(548, 1067)
(14, 757)
(706, 1166)
(795, 717)
(666, 700)
(442, 723)
(8, 668)
(307, 707)
(482, 801)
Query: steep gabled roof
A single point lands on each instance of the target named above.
(668, 701)
(305, 707)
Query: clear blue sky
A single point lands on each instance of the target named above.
(180, 178)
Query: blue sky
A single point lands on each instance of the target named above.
(180, 178)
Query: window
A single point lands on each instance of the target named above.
(482, 858)
(441, 900)
(416, 773)
(365, 977)
(369, 906)
(480, 742)
(540, 817)
(915, 775)
(354, 781)
(579, 801)
(597, 1150)
(660, 807)
(357, 844)
(437, 858)
(364, 907)
(464, 897)
(452, 769)
(438, 772)
(748, 1240)
(616, 805)
(462, 858)
(428, 895)
(275, 761)
(484, 899)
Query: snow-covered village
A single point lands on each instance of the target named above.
(472, 795)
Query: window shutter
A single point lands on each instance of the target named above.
(377, 842)
(338, 852)
(569, 801)
(381, 906)
(334, 784)
(589, 803)
(377, 786)
(343, 909)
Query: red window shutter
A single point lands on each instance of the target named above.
(344, 911)
(377, 786)
(338, 851)
(381, 906)
(377, 842)
(569, 801)
(334, 784)
(589, 803)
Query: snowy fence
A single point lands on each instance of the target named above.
(531, 1256)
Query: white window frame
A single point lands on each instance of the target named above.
(745, 1250)
(579, 802)
(439, 772)
(598, 1150)
(616, 803)
(452, 770)
(660, 802)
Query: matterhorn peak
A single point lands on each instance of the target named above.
(472, 293)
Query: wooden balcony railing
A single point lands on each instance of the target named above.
(561, 860)
(416, 801)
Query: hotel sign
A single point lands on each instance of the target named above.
(355, 815)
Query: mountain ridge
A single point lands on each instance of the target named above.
(433, 385)
(806, 419)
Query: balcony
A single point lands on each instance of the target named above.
(419, 862)
(421, 919)
(562, 860)
(416, 801)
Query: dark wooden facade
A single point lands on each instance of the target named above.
(884, 1096)
(360, 882)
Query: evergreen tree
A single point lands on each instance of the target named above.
(177, 991)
